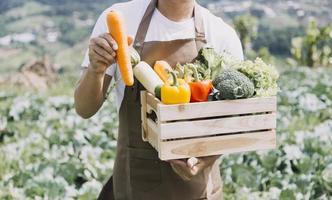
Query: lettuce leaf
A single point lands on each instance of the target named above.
(210, 62)
(264, 76)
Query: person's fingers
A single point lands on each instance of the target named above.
(189, 167)
(101, 52)
(105, 45)
(110, 41)
(97, 58)
(191, 162)
(130, 40)
(197, 168)
(194, 171)
(178, 162)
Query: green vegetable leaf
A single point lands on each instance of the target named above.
(287, 195)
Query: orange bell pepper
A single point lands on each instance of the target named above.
(200, 90)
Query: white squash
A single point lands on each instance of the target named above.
(147, 77)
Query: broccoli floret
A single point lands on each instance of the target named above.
(232, 84)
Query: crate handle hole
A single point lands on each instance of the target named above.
(152, 115)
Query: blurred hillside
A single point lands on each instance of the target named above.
(34, 28)
(285, 13)
(31, 29)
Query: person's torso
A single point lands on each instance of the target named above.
(147, 176)
(163, 29)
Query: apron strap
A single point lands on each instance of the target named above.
(199, 23)
(145, 22)
(144, 26)
(199, 27)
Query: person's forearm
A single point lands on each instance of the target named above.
(89, 95)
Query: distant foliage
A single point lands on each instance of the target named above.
(65, 7)
(246, 26)
(70, 34)
(3, 30)
(277, 41)
(6, 5)
(75, 36)
(315, 48)
(265, 55)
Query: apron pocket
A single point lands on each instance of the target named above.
(145, 170)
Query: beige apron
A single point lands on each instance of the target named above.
(138, 173)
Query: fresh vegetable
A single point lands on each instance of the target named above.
(232, 84)
(116, 27)
(263, 76)
(176, 93)
(162, 68)
(200, 90)
(185, 72)
(210, 63)
(134, 56)
(147, 77)
(179, 70)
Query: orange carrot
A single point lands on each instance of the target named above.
(162, 68)
(116, 27)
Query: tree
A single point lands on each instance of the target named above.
(246, 26)
(7, 5)
(277, 40)
(313, 49)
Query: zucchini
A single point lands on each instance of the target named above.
(134, 56)
(147, 77)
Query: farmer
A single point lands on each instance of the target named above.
(170, 30)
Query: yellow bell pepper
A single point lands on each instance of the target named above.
(176, 93)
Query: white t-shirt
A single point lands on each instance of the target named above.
(219, 35)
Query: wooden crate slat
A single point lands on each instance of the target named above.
(218, 145)
(152, 125)
(216, 108)
(186, 129)
(151, 100)
(143, 116)
(152, 135)
(209, 128)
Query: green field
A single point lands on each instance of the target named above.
(61, 156)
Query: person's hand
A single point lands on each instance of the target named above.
(188, 168)
(102, 52)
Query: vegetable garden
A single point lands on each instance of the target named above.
(48, 152)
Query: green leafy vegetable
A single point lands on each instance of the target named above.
(209, 62)
(263, 76)
(209, 57)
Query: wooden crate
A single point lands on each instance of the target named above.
(208, 128)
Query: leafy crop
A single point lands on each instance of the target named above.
(263, 76)
(301, 167)
(48, 152)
